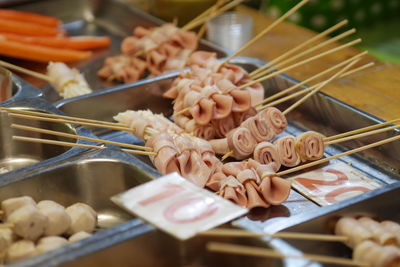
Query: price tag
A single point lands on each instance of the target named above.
(332, 183)
(177, 206)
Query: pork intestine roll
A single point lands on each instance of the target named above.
(223, 126)
(275, 118)
(310, 146)
(241, 142)
(266, 153)
(286, 147)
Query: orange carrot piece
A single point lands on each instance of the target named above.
(78, 42)
(29, 17)
(25, 28)
(40, 53)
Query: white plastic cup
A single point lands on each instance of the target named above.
(230, 30)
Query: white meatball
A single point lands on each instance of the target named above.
(12, 204)
(49, 243)
(20, 250)
(351, 228)
(29, 222)
(78, 236)
(6, 238)
(380, 234)
(376, 255)
(58, 220)
(86, 207)
(82, 218)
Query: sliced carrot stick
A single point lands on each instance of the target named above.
(29, 17)
(12, 26)
(40, 53)
(78, 42)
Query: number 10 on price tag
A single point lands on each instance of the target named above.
(177, 206)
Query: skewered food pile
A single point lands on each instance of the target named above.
(377, 243)
(150, 51)
(32, 228)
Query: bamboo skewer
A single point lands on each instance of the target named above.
(305, 52)
(343, 139)
(203, 14)
(269, 253)
(300, 63)
(74, 136)
(299, 47)
(359, 149)
(127, 129)
(285, 235)
(277, 95)
(266, 30)
(69, 144)
(319, 87)
(206, 18)
(41, 114)
(361, 130)
(26, 71)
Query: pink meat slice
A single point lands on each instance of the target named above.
(223, 106)
(254, 197)
(169, 50)
(223, 126)
(185, 39)
(234, 73)
(193, 168)
(211, 161)
(240, 117)
(267, 153)
(203, 111)
(220, 146)
(234, 191)
(259, 127)
(214, 183)
(275, 118)
(206, 132)
(256, 93)
(241, 100)
(155, 61)
(130, 45)
(275, 190)
(200, 58)
(287, 151)
(310, 146)
(241, 142)
(165, 161)
(233, 168)
(141, 32)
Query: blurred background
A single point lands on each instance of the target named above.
(377, 21)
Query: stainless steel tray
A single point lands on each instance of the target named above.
(22, 157)
(92, 178)
(13, 88)
(97, 18)
(103, 105)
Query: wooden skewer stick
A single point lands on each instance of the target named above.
(361, 130)
(319, 87)
(359, 149)
(301, 46)
(339, 140)
(75, 136)
(266, 30)
(206, 18)
(285, 235)
(202, 15)
(269, 253)
(182, 111)
(69, 144)
(41, 114)
(227, 155)
(277, 95)
(26, 71)
(127, 129)
(283, 99)
(269, 76)
(305, 52)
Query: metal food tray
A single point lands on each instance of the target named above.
(103, 105)
(112, 18)
(91, 177)
(23, 157)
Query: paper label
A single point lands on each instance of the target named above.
(332, 183)
(177, 206)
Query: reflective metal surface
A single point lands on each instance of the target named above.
(92, 178)
(111, 18)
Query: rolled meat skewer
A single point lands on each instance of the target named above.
(286, 147)
(267, 153)
(58, 220)
(310, 146)
(380, 234)
(249, 179)
(20, 250)
(230, 188)
(29, 223)
(394, 228)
